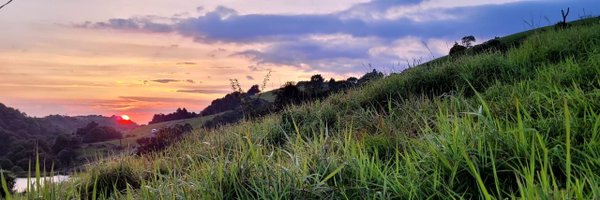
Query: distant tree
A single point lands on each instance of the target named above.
(67, 156)
(352, 80)
(373, 75)
(84, 131)
(317, 78)
(563, 24)
(467, 41)
(95, 133)
(180, 113)
(315, 86)
(64, 141)
(332, 85)
(288, 94)
(457, 49)
(253, 90)
(231, 101)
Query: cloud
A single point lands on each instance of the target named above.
(186, 63)
(379, 31)
(204, 91)
(165, 80)
(155, 99)
(249, 77)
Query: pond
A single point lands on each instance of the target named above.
(21, 183)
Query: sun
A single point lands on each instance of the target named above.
(125, 117)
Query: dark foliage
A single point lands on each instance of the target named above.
(317, 88)
(94, 133)
(457, 49)
(373, 75)
(467, 41)
(225, 118)
(69, 124)
(180, 113)
(162, 139)
(490, 46)
(253, 90)
(288, 94)
(23, 137)
(231, 101)
(237, 105)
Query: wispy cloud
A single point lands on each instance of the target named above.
(186, 63)
(204, 91)
(343, 41)
(165, 80)
(155, 99)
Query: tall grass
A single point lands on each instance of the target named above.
(521, 125)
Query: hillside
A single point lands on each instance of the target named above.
(51, 138)
(521, 123)
(71, 124)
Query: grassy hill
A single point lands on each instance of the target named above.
(518, 124)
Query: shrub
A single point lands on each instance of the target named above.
(457, 49)
(111, 179)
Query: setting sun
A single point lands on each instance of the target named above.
(125, 117)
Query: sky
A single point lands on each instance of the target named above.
(142, 57)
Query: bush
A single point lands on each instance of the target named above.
(10, 182)
(109, 180)
(457, 49)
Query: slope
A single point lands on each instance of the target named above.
(524, 123)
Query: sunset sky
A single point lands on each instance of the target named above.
(152, 56)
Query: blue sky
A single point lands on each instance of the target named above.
(143, 57)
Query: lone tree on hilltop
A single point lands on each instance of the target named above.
(563, 24)
(467, 41)
(253, 90)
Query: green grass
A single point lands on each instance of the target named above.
(524, 124)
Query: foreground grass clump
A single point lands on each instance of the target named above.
(7, 182)
(518, 124)
(110, 179)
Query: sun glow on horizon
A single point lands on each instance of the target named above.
(125, 117)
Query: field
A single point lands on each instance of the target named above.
(521, 124)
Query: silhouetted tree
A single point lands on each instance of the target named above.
(352, 81)
(64, 141)
(231, 101)
(67, 156)
(373, 75)
(253, 90)
(563, 24)
(288, 94)
(457, 49)
(180, 113)
(467, 41)
(95, 133)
